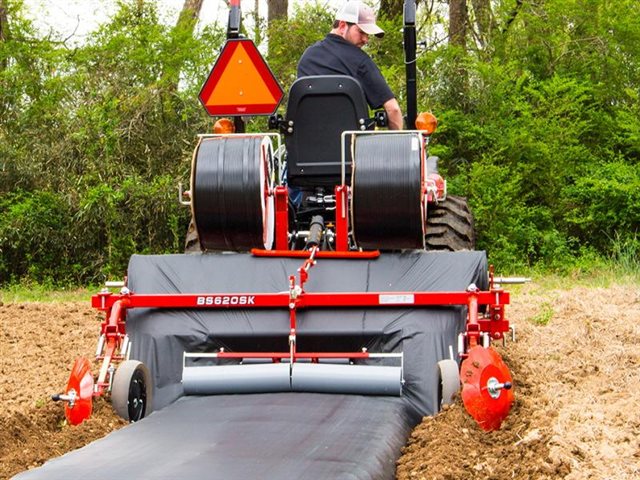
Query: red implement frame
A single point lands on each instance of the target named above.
(482, 396)
(492, 322)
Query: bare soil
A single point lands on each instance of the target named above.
(576, 367)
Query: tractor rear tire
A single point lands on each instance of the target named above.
(132, 391)
(450, 226)
(448, 382)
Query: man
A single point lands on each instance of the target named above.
(340, 53)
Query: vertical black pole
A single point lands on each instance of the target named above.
(410, 61)
(235, 17)
(238, 124)
(233, 31)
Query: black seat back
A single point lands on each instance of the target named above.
(320, 108)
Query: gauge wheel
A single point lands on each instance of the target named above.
(132, 391)
(448, 382)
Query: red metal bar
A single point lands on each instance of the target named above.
(113, 328)
(473, 327)
(298, 355)
(282, 218)
(342, 218)
(496, 324)
(308, 300)
(293, 302)
(321, 254)
(495, 328)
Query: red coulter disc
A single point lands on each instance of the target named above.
(81, 382)
(480, 371)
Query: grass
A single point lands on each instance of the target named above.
(588, 268)
(626, 253)
(544, 316)
(35, 292)
(622, 268)
(596, 278)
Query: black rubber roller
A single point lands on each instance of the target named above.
(231, 201)
(387, 200)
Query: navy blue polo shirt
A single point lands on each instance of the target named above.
(336, 56)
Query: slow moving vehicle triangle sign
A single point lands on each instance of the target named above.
(240, 83)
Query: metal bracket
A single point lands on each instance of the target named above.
(182, 194)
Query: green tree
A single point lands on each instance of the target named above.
(105, 132)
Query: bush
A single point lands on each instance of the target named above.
(36, 230)
(114, 222)
(604, 203)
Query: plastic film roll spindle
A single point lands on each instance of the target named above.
(351, 379)
(387, 203)
(232, 205)
(224, 379)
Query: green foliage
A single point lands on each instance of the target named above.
(604, 202)
(539, 128)
(288, 39)
(100, 135)
(514, 233)
(134, 217)
(625, 250)
(35, 231)
(544, 315)
(47, 237)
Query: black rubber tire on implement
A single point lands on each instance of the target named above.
(448, 382)
(450, 226)
(132, 391)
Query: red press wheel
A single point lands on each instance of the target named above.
(80, 389)
(486, 387)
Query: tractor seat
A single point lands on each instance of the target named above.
(320, 108)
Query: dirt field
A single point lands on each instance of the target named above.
(576, 367)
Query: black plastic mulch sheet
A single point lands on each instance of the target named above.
(282, 435)
(423, 335)
(259, 436)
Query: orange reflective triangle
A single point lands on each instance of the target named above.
(240, 83)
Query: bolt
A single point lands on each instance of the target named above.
(494, 387)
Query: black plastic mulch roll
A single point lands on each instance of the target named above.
(386, 192)
(230, 204)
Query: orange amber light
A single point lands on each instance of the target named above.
(427, 122)
(224, 125)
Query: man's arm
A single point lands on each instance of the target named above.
(394, 114)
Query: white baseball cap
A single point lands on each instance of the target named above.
(354, 11)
